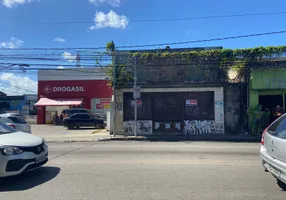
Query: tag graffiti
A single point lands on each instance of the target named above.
(196, 127)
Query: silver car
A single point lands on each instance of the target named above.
(20, 152)
(17, 122)
(273, 150)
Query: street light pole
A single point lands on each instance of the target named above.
(135, 97)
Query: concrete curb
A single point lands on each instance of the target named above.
(243, 138)
(73, 141)
(238, 138)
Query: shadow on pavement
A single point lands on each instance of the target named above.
(84, 128)
(28, 180)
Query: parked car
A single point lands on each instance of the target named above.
(20, 152)
(273, 150)
(100, 115)
(15, 114)
(83, 119)
(68, 112)
(17, 122)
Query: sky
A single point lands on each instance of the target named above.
(35, 24)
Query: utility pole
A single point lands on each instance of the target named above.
(77, 60)
(135, 97)
(114, 96)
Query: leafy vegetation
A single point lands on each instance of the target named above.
(236, 59)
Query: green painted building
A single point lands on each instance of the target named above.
(267, 88)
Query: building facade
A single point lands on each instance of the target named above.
(180, 98)
(267, 89)
(22, 104)
(64, 88)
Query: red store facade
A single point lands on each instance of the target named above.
(64, 88)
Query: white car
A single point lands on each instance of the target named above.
(273, 150)
(16, 122)
(20, 152)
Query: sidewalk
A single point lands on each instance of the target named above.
(53, 133)
(213, 138)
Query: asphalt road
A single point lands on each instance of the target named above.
(142, 170)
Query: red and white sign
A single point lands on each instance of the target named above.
(48, 89)
(139, 103)
(80, 88)
(99, 106)
(192, 102)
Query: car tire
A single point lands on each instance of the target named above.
(281, 185)
(70, 126)
(78, 127)
(97, 126)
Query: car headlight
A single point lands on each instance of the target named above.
(8, 151)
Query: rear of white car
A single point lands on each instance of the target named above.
(273, 149)
(16, 122)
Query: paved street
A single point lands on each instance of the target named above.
(147, 170)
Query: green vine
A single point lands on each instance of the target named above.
(122, 75)
(237, 58)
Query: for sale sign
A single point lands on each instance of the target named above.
(192, 102)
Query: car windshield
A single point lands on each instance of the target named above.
(5, 129)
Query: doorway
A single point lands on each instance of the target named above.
(270, 101)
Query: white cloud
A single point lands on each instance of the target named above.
(17, 85)
(111, 20)
(13, 3)
(14, 43)
(60, 67)
(59, 40)
(114, 3)
(69, 57)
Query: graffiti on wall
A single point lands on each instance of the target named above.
(197, 127)
(144, 127)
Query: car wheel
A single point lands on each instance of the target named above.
(281, 185)
(77, 127)
(70, 126)
(97, 126)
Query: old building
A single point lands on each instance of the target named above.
(178, 96)
(267, 89)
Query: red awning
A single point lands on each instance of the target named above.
(59, 102)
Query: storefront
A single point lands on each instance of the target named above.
(172, 111)
(267, 90)
(64, 88)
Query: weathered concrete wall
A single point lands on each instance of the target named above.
(235, 100)
(119, 112)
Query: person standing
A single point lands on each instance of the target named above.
(277, 112)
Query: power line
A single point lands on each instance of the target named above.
(178, 19)
(160, 44)
(17, 87)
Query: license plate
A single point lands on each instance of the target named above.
(274, 171)
(41, 159)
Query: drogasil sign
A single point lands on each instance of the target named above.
(48, 89)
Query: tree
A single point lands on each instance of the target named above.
(110, 47)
